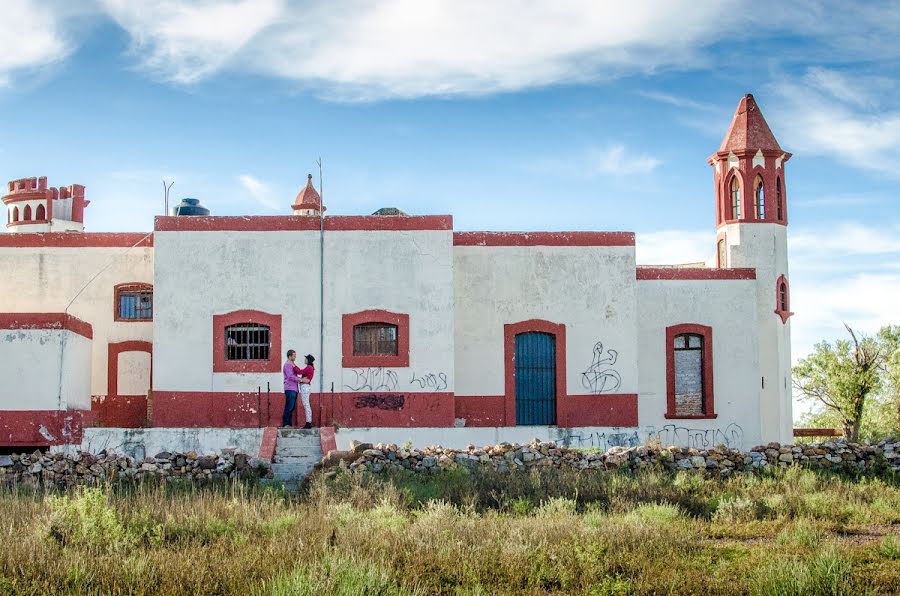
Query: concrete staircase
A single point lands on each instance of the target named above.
(296, 452)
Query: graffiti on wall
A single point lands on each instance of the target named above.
(380, 402)
(430, 381)
(601, 377)
(372, 379)
(670, 434)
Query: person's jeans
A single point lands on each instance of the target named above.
(304, 398)
(290, 402)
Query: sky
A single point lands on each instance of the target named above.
(509, 115)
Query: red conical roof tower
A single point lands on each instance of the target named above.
(749, 129)
(308, 201)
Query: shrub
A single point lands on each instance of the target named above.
(890, 547)
(827, 572)
(803, 535)
(653, 513)
(335, 575)
(85, 519)
(736, 510)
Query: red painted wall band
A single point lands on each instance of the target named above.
(75, 240)
(46, 320)
(543, 239)
(268, 223)
(41, 427)
(692, 274)
(574, 411)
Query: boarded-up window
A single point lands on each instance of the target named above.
(247, 341)
(689, 398)
(374, 339)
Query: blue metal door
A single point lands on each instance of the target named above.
(535, 375)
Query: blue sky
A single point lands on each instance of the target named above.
(508, 115)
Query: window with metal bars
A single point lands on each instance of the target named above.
(735, 198)
(760, 198)
(374, 339)
(134, 303)
(247, 341)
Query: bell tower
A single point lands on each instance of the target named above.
(751, 231)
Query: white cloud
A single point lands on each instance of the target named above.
(260, 191)
(31, 37)
(617, 162)
(827, 112)
(668, 247)
(409, 48)
(613, 160)
(843, 240)
(186, 42)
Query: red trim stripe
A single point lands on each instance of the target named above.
(692, 274)
(75, 240)
(543, 239)
(46, 320)
(269, 223)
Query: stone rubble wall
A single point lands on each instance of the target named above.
(70, 469)
(836, 455)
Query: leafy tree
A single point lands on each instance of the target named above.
(842, 376)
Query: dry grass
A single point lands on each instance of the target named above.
(591, 533)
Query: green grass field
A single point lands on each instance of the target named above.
(791, 532)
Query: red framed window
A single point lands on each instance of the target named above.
(376, 338)
(783, 299)
(247, 341)
(779, 201)
(41, 213)
(689, 372)
(133, 302)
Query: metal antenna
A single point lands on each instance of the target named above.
(167, 188)
(322, 301)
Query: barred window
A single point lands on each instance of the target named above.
(247, 341)
(374, 339)
(778, 200)
(689, 389)
(134, 302)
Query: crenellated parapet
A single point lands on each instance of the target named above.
(32, 206)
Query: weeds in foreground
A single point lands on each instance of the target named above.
(455, 532)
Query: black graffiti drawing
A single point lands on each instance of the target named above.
(373, 379)
(380, 402)
(600, 377)
(699, 438)
(604, 441)
(430, 381)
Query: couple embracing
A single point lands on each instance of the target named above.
(296, 380)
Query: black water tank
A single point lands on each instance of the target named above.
(189, 207)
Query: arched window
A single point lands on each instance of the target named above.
(689, 392)
(760, 199)
(40, 213)
(15, 214)
(735, 198)
(779, 209)
(783, 299)
(26, 213)
(721, 254)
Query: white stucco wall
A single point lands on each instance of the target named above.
(277, 272)
(44, 369)
(764, 247)
(591, 290)
(147, 442)
(47, 279)
(729, 308)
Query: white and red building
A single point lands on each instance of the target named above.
(423, 328)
